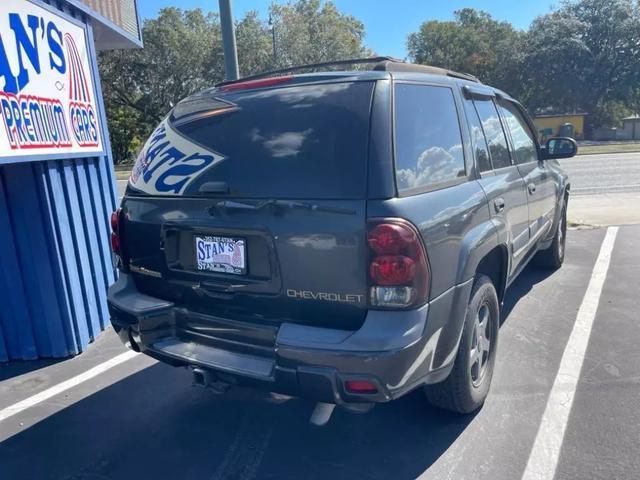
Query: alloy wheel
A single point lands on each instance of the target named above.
(480, 345)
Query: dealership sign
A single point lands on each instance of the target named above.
(47, 95)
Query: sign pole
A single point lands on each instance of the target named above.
(228, 41)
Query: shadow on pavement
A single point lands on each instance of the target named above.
(17, 368)
(154, 425)
(522, 285)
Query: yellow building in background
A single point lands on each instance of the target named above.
(556, 125)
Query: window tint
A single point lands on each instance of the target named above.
(523, 142)
(291, 142)
(494, 133)
(478, 142)
(428, 138)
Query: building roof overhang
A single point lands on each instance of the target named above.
(107, 35)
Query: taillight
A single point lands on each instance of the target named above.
(390, 238)
(398, 269)
(392, 269)
(115, 231)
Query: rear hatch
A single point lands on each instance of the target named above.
(250, 204)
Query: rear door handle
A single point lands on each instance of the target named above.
(532, 188)
(498, 204)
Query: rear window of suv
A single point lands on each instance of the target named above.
(289, 142)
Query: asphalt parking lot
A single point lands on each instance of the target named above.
(142, 419)
(76, 419)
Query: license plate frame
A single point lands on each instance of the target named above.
(209, 259)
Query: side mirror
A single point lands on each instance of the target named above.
(560, 147)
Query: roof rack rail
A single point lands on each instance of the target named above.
(385, 64)
(396, 66)
(336, 63)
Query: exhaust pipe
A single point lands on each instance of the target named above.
(323, 411)
(205, 379)
(321, 414)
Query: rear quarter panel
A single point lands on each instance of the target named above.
(455, 226)
(457, 232)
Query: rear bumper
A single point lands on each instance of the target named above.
(397, 351)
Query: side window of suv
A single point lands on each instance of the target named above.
(523, 140)
(478, 140)
(428, 138)
(493, 132)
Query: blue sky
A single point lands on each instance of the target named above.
(387, 23)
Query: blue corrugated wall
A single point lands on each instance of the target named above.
(55, 259)
(54, 252)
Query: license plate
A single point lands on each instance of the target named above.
(221, 254)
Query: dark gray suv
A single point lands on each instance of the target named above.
(343, 236)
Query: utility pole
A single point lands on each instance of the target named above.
(228, 41)
(273, 39)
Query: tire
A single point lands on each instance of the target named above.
(467, 386)
(553, 257)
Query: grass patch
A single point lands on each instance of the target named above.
(609, 148)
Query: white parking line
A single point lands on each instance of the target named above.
(545, 453)
(63, 386)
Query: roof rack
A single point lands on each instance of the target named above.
(392, 65)
(387, 64)
(337, 63)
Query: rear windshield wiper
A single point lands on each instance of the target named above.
(275, 203)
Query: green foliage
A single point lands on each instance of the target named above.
(610, 113)
(182, 54)
(634, 99)
(310, 32)
(473, 43)
(255, 47)
(585, 56)
(124, 127)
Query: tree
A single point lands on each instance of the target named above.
(584, 56)
(634, 99)
(473, 43)
(632, 80)
(253, 39)
(125, 131)
(308, 32)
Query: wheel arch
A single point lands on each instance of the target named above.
(495, 265)
(562, 201)
(482, 252)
